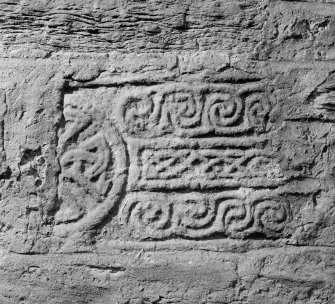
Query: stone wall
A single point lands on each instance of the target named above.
(156, 152)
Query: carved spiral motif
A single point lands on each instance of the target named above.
(184, 108)
(258, 107)
(237, 216)
(225, 110)
(271, 216)
(193, 110)
(196, 214)
(153, 215)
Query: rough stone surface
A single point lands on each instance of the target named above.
(156, 152)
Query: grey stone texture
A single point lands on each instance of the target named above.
(156, 152)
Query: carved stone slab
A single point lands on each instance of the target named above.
(167, 152)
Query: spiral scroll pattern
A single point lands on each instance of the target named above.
(271, 216)
(258, 108)
(184, 108)
(152, 215)
(225, 110)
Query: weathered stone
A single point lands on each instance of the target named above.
(167, 152)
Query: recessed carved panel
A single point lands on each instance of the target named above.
(194, 110)
(180, 160)
(201, 164)
(233, 214)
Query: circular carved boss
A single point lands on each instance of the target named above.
(93, 174)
